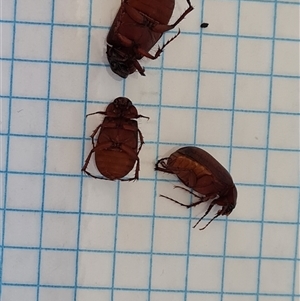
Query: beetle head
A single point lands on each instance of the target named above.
(231, 201)
(121, 63)
(121, 107)
(227, 201)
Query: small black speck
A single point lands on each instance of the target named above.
(204, 25)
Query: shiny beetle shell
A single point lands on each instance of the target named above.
(116, 151)
(201, 172)
(137, 27)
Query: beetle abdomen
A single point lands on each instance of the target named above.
(114, 164)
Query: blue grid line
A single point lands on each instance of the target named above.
(296, 259)
(107, 27)
(269, 1)
(155, 179)
(193, 70)
(194, 142)
(103, 251)
(151, 179)
(153, 290)
(237, 37)
(115, 242)
(45, 155)
(7, 148)
(168, 106)
(116, 228)
(266, 157)
(83, 152)
(126, 215)
(166, 69)
(183, 32)
(241, 293)
(202, 292)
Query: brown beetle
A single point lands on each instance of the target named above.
(117, 148)
(198, 170)
(137, 27)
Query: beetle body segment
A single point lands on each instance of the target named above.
(198, 170)
(117, 148)
(116, 158)
(137, 27)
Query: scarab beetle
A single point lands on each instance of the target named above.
(198, 170)
(117, 149)
(137, 27)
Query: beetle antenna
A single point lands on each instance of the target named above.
(142, 116)
(98, 112)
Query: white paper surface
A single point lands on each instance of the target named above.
(231, 89)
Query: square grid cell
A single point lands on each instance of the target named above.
(231, 88)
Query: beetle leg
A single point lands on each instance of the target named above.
(94, 134)
(134, 14)
(194, 194)
(164, 167)
(97, 128)
(137, 170)
(141, 141)
(160, 50)
(209, 222)
(125, 41)
(134, 155)
(96, 177)
(187, 11)
(98, 147)
(184, 205)
(129, 151)
(212, 204)
(161, 28)
(87, 161)
(145, 53)
(140, 69)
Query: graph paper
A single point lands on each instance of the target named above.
(231, 88)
